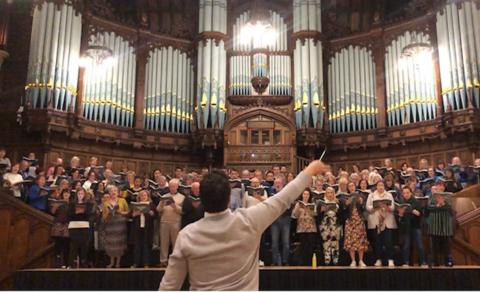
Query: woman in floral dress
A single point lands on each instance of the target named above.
(355, 231)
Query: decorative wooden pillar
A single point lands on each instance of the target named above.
(437, 78)
(4, 20)
(141, 56)
(86, 30)
(378, 51)
(326, 97)
(80, 92)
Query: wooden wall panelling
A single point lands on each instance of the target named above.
(376, 162)
(362, 164)
(426, 156)
(131, 164)
(144, 168)
(412, 160)
(155, 165)
(449, 155)
(438, 157)
(466, 156)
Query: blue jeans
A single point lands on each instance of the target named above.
(280, 230)
(416, 236)
(235, 200)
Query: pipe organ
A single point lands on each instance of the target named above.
(308, 66)
(168, 91)
(272, 62)
(280, 68)
(240, 75)
(458, 34)
(211, 74)
(410, 83)
(109, 94)
(351, 90)
(53, 60)
(180, 97)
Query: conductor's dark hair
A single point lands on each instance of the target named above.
(215, 191)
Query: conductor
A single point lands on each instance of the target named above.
(220, 251)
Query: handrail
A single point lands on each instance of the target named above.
(468, 217)
(21, 206)
(469, 192)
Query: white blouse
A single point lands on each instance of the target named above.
(374, 215)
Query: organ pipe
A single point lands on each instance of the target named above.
(308, 62)
(53, 58)
(458, 37)
(110, 93)
(275, 66)
(168, 95)
(298, 87)
(211, 66)
(409, 83)
(157, 90)
(351, 78)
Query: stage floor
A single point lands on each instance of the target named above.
(271, 278)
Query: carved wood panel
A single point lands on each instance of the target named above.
(24, 232)
(434, 151)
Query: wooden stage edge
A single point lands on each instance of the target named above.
(295, 268)
(270, 278)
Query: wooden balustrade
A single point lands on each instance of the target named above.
(466, 242)
(24, 237)
(302, 162)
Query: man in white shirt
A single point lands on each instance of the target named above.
(170, 219)
(220, 251)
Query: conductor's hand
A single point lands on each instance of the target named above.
(316, 167)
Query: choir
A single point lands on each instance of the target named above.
(379, 213)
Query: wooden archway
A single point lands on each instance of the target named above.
(259, 137)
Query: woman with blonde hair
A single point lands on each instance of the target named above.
(330, 227)
(114, 212)
(374, 178)
(342, 185)
(143, 214)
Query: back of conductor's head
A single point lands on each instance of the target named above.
(215, 191)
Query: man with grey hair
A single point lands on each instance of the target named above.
(170, 211)
(192, 208)
(355, 178)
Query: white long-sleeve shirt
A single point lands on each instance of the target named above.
(373, 215)
(220, 251)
